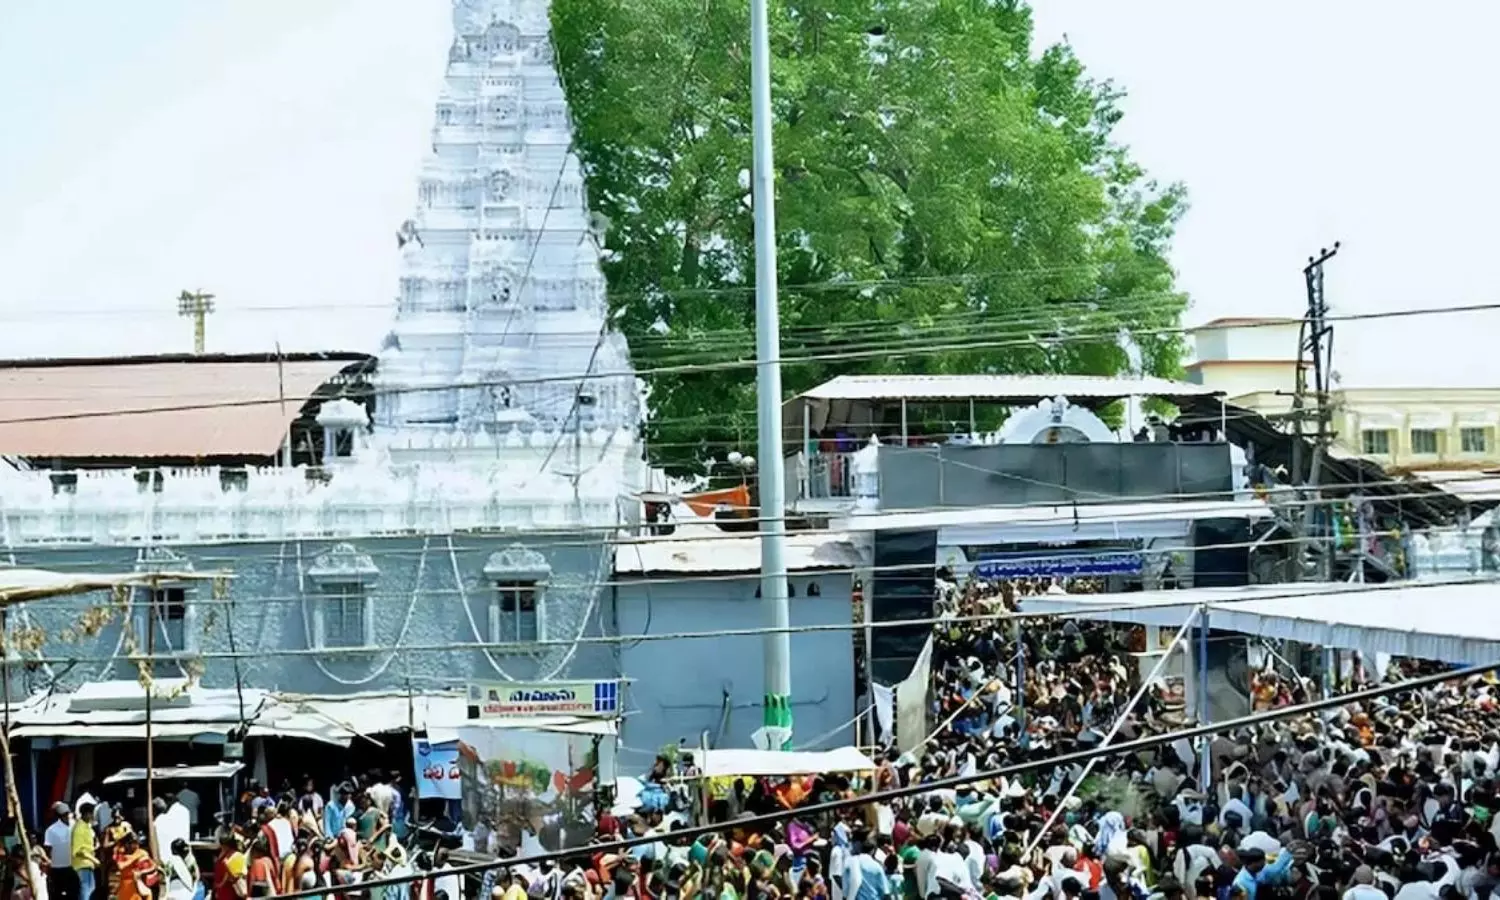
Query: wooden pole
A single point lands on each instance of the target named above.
(148, 679)
(12, 795)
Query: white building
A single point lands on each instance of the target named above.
(476, 504)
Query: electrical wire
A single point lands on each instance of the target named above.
(1163, 600)
(1062, 513)
(703, 344)
(756, 822)
(850, 522)
(685, 292)
(884, 350)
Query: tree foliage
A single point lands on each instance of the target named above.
(948, 200)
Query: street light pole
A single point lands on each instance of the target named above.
(777, 731)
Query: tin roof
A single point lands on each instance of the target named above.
(1014, 388)
(162, 407)
(1243, 322)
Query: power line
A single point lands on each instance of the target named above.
(877, 330)
(885, 351)
(1150, 742)
(856, 523)
(521, 647)
(715, 577)
(657, 293)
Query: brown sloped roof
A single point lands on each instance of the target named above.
(177, 407)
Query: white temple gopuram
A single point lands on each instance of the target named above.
(503, 398)
(502, 306)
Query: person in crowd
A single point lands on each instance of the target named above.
(62, 881)
(83, 852)
(183, 880)
(138, 871)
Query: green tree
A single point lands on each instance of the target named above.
(947, 200)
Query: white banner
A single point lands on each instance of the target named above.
(911, 701)
(551, 698)
(885, 712)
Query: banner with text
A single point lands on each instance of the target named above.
(555, 698)
(437, 770)
(1057, 564)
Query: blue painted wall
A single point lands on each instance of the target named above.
(419, 599)
(680, 688)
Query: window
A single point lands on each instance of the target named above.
(515, 612)
(1424, 441)
(345, 615)
(1376, 442)
(168, 608)
(1474, 440)
(518, 607)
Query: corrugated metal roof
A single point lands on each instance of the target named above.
(1243, 322)
(1063, 515)
(1018, 388)
(155, 409)
(1412, 499)
(1474, 487)
(805, 552)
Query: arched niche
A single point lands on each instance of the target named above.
(1055, 421)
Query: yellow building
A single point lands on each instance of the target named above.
(1254, 362)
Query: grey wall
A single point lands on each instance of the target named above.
(419, 600)
(680, 688)
(926, 477)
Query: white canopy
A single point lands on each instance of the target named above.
(723, 763)
(1450, 621)
(339, 720)
(211, 772)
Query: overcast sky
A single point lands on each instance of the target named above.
(265, 150)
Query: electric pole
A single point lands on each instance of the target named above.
(1312, 415)
(196, 305)
(776, 730)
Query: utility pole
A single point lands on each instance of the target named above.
(196, 305)
(1312, 406)
(777, 731)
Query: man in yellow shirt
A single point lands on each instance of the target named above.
(85, 856)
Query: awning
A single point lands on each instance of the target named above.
(78, 731)
(724, 763)
(116, 710)
(340, 720)
(178, 773)
(1454, 621)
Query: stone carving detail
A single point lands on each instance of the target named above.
(503, 110)
(500, 183)
(471, 16)
(163, 559)
(343, 563)
(517, 562)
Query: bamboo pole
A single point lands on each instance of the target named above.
(12, 795)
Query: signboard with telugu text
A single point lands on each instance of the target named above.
(437, 771)
(552, 698)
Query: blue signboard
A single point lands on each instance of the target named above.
(436, 766)
(1056, 564)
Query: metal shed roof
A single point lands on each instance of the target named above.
(157, 407)
(999, 388)
(805, 552)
